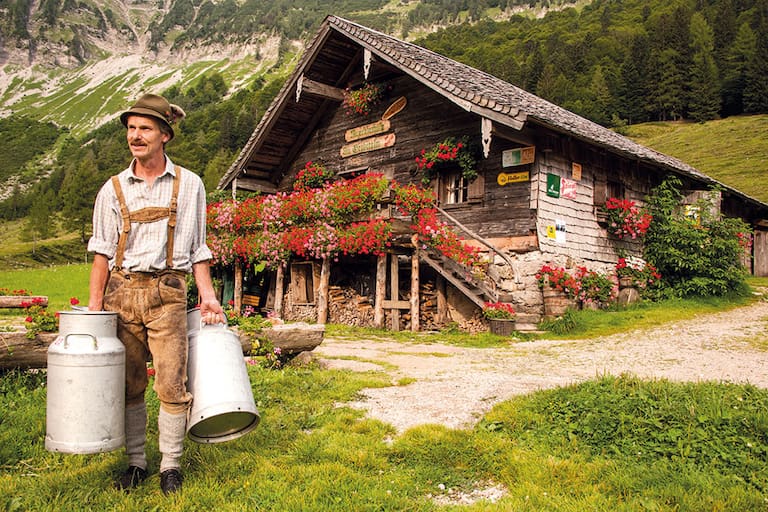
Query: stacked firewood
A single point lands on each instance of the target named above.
(347, 307)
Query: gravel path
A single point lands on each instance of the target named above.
(455, 386)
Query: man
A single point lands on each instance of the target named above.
(148, 234)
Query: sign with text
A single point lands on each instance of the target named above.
(505, 178)
(367, 130)
(518, 156)
(369, 144)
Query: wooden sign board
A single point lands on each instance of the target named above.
(367, 130)
(518, 156)
(505, 178)
(369, 144)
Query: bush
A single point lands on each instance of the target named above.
(696, 255)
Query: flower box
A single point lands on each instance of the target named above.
(502, 326)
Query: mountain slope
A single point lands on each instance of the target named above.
(731, 150)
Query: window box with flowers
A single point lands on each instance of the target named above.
(500, 316)
(559, 290)
(360, 101)
(625, 219)
(448, 153)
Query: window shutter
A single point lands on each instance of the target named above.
(476, 189)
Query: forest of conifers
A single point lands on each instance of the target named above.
(615, 62)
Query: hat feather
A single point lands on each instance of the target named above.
(177, 113)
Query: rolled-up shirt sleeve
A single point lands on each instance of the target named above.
(200, 250)
(105, 223)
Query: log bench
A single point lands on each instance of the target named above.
(18, 351)
(16, 301)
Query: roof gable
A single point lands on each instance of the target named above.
(337, 50)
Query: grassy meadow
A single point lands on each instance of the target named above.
(611, 444)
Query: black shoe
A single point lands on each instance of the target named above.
(131, 478)
(170, 481)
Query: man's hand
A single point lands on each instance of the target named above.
(211, 312)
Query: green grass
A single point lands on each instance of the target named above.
(731, 150)
(59, 283)
(613, 444)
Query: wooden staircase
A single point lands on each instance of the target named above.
(477, 288)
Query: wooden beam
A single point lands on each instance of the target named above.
(443, 313)
(255, 185)
(415, 300)
(16, 301)
(322, 292)
(238, 287)
(381, 291)
(305, 85)
(394, 290)
(279, 277)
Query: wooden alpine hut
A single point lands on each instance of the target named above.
(522, 181)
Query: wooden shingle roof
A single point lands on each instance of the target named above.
(337, 47)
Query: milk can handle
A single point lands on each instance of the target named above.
(203, 324)
(95, 342)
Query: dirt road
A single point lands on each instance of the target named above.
(455, 386)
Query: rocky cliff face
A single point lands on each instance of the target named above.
(56, 61)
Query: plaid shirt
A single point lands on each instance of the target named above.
(145, 250)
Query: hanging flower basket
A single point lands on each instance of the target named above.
(450, 152)
(361, 101)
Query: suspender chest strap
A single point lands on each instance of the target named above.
(145, 215)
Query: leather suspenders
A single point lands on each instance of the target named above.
(145, 215)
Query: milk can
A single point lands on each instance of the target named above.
(85, 406)
(222, 399)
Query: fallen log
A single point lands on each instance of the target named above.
(19, 352)
(16, 301)
(290, 338)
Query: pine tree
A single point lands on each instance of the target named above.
(756, 84)
(704, 99)
(734, 74)
(633, 88)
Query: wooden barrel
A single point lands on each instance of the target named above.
(556, 303)
(502, 326)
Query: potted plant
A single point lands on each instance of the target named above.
(635, 272)
(595, 290)
(500, 316)
(313, 175)
(559, 290)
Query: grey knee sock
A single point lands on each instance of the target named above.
(136, 434)
(173, 428)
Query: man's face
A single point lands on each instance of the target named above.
(145, 139)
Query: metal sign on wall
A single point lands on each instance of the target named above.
(518, 156)
(505, 178)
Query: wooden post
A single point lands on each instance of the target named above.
(415, 299)
(394, 290)
(238, 287)
(279, 276)
(443, 315)
(322, 292)
(381, 291)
